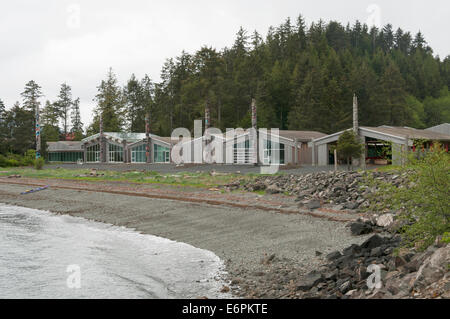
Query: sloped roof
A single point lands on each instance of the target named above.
(409, 132)
(64, 146)
(131, 138)
(442, 128)
(302, 136)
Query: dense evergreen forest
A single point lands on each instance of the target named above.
(303, 78)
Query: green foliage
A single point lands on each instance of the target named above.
(15, 160)
(63, 106)
(425, 202)
(438, 109)
(446, 238)
(303, 78)
(29, 157)
(39, 163)
(349, 146)
(110, 104)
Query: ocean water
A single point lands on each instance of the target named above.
(44, 255)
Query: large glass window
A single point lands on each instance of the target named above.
(138, 154)
(65, 156)
(270, 149)
(243, 152)
(115, 153)
(93, 153)
(161, 154)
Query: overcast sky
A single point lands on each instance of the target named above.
(57, 41)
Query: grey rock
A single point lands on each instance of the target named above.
(310, 280)
(385, 220)
(372, 242)
(359, 228)
(334, 255)
(345, 287)
(313, 204)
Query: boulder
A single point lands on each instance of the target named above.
(433, 268)
(359, 228)
(385, 220)
(312, 204)
(273, 189)
(334, 255)
(345, 287)
(372, 242)
(351, 205)
(309, 281)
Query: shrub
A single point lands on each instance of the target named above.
(425, 202)
(39, 163)
(29, 157)
(2, 161)
(349, 146)
(12, 162)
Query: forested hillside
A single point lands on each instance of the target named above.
(302, 77)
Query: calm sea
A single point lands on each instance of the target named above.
(43, 255)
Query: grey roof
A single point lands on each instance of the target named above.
(65, 146)
(409, 132)
(131, 138)
(442, 128)
(302, 136)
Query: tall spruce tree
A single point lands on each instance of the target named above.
(50, 117)
(64, 106)
(110, 103)
(135, 112)
(77, 125)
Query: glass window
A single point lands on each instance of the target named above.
(115, 153)
(65, 156)
(93, 153)
(161, 154)
(243, 152)
(138, 154)
(270, 149)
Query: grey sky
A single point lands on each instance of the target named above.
(56, 41)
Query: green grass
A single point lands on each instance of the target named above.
(202, 180)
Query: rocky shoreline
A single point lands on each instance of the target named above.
(354, 272)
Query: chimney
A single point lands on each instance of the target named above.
(355, 114)
(147, 138)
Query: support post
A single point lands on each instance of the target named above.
(313, 154)
(125, 151)
(335, 160)
(296, 159)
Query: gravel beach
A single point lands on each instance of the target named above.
(264, 251)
